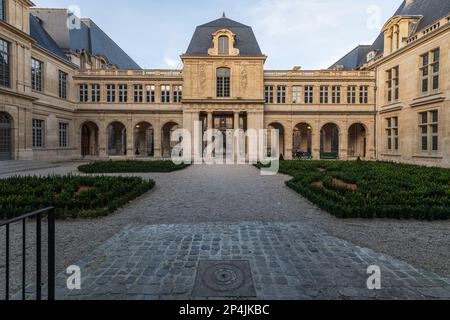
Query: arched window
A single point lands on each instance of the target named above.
(223, 82)
(224, 46)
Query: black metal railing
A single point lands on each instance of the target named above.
(37, 215)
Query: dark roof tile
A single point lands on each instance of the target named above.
(245, 39)
(43, 39)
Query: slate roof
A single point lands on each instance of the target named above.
(352, 60)
(245, 39)
(43, 39)
(431, 10)
(92, 39)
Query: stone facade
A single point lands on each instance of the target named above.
(110, 112)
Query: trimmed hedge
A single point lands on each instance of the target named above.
(130, 166)
(383, 190)
(72, 196)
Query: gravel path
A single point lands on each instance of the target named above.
(235, 194)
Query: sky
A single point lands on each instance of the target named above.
(312, 34)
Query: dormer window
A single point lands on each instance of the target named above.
(371, 56)
(224, 45)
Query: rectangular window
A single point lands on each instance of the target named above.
(393, 84)
(177, 94)
(2, 10)
(5, 80)
(363, 94)
(84, 92)
(396, 84)
(110, 93)
(223, 82)
(309, 92)
(63, 135)
(323, 94)
(395, 132)
(429, 71)
(62, 85)
(424, 70)
(435, 70)
(392, 134)
(336, 98)
(429, 131)
(123, 93)
(281, 94)
(351, 95)
(389, 86)
(389, 133)
(38, 133)
(151, 94)
(165, 94)
(138, 93)
(36, 74)
(95, 93)
(268, 94)
(296, 94)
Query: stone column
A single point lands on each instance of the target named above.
(130, 138)
(103, 142)
(210, 120)
(157, 140)
(316, 140)
(236, 120)
(343, 142)
(288, 141)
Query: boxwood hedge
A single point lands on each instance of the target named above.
(72, 196)
(380, 189)
(131, 166)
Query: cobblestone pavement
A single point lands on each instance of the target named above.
(231, 195)
(287, 260)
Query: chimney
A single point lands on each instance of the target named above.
(409, 2)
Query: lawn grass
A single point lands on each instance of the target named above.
(130, 166)
(72, 196)
(365, 189)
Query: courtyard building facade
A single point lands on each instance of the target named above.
(67, 91)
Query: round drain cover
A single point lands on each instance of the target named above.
(223, 277)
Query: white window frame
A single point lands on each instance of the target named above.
(63, 135)
(296, 94)
(309, 94)
(38, 133)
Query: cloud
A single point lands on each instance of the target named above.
(308, 33)
(171, 62)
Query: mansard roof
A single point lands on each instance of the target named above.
(352, 60)
(43, 39)
(245, 39)
(430, 11)
(95, 41)
(50, 23)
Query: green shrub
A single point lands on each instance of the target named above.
(72, 196)
(384, 190)
(131, 166)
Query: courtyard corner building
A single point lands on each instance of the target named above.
(67, 91)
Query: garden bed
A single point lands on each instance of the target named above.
(72, 196)
(130, 166)
(363, 189)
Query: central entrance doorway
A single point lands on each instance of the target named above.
(224, 121)
(5, 137)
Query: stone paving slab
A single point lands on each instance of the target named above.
(287, 260)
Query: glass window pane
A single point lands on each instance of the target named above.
(435, 141)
